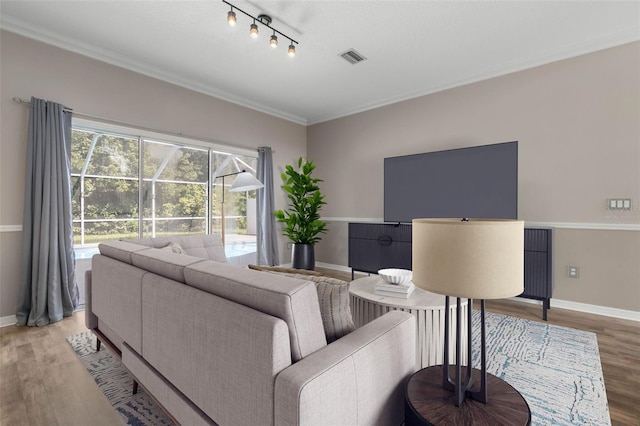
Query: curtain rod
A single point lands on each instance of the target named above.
(25, 102)
(105, 120)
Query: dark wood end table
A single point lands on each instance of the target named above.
(427, 403)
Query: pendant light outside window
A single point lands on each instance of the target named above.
(231, 18)
(253, 31)
(274, 41)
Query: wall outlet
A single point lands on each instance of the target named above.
(573, 272)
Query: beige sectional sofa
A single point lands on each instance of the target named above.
(216, 343)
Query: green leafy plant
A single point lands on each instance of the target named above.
(302, 218)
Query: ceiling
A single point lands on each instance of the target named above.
(412, 47)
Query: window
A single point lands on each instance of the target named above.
(104, 173)
(134, 186)
(174, 189)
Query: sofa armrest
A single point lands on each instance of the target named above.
(358, 379)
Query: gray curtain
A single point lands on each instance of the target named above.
(48, 288)
(267, 233)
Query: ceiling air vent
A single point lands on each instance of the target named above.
(352, 56)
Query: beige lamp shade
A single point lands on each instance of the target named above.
(476, 259)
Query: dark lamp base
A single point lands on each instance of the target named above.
(428, 403)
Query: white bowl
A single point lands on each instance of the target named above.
(396, 276)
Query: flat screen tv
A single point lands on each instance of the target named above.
(476, 182)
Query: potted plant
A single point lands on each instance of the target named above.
(302, 219)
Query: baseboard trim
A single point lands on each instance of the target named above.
(596, 309)
(586, 308)
(555, 303)
(11, 319)
(7, 321)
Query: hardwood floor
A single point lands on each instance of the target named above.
(43, 383)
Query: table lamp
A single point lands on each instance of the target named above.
(473, 259)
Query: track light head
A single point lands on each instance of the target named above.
(231, 18)
(253, 30)
(274, 41)
(292, 50)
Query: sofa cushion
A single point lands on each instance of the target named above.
(165, 263)
(292, 300)
(120, 250)
(203, 246)
(335, 308)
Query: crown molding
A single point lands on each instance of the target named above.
(18, 27)
(617, 38)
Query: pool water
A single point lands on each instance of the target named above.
(240, 248)
(86, 252)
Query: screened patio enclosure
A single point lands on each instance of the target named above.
(127, 186)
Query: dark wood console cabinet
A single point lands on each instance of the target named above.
(374, 246)
(538, 267)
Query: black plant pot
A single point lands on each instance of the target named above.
(303, 256)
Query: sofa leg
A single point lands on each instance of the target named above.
(97, 344)
(135, 387)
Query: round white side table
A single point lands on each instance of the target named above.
(428, 310)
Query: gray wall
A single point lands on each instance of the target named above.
(577, 122)
(30, 68)
(578, 126)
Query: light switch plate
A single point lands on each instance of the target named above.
(619, 203)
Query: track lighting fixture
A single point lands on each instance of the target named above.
(231, 18)
(253, 29)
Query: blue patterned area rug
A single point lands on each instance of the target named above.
(557, 370)
(116, 383)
